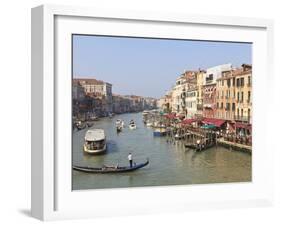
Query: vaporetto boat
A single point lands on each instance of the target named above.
(95, 141)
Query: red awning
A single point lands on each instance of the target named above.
(180, 116)
(171, 116)
(213, 121)
(188, 121)
(243, 125)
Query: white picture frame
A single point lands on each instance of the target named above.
(52, 197)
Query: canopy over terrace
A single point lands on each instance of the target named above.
(240, 125)
(171, 116)
(213, 121)
(188, 121)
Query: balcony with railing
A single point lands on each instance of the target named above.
(242, 118)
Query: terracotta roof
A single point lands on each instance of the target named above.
(90, 81)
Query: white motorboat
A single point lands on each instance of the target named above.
(132, 125)
(95, 141)
(149, 124)
(119, 123)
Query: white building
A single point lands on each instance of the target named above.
(191, 102)
(177, 101)
(213, 73)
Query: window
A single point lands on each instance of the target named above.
(228, 82)
(238, 82)
(238, 96)
(233, 82)
(242, 97)
(234, 94)
(233, 106)
(249, 96)
(221, 105)
(217, 104)
(227, 106)
(249, 81)
(242, 82)
(242, 113)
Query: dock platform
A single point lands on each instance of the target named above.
(235, 146)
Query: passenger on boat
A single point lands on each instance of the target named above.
(130, 158)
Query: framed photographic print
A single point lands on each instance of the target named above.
(137, 112)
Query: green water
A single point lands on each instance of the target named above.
(170, 163)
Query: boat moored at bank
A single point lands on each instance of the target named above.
(159, 131)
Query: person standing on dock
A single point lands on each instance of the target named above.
(130, 158)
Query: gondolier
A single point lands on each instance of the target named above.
(130, 158)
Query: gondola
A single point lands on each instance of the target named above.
(110, 169)
(197, 148)
(191, 146)
(90, 124)
(118, 129)
(205, 147)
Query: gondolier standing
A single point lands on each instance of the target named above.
(130, 158)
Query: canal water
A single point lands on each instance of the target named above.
(170, 163)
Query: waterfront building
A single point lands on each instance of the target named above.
(244, 94)
(189, 94)
(209, 89)
(199, 101)
(98, 88)
(77, 92)
(209, 100)
(165, 102)
(191, 101)
(78, 96)
(178, 105)
(234, 94)
(226, 94)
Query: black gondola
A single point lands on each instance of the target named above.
(118, 129)
(191, 146)
(199, 147)
(110, 169)
(90, 124)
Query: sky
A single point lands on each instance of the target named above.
(149, 67)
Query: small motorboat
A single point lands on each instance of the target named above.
(119, 123)
(159, 132)
(132, 125)
(177, 136)
(110, 169)
(81, 125)
(149, 124)
(110, 115)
